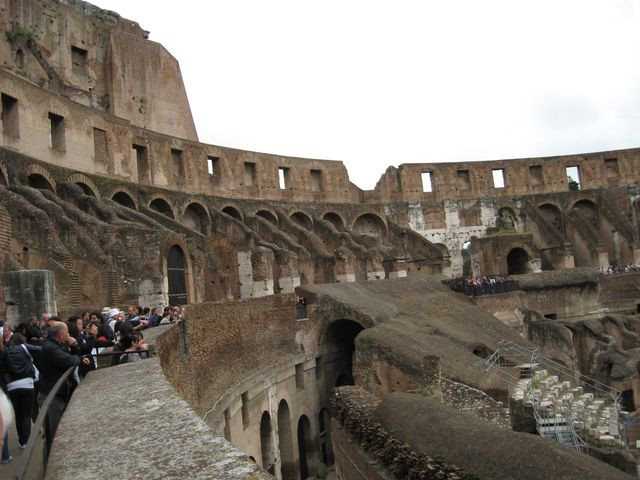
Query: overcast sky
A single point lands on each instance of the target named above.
(376, 83)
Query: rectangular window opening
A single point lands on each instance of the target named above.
(56, 132)
(427, 186)
(10, 123)
(573, 177)
(551, 316)
(535, 172)
(300, 376)
(284, 178)
(464, 182)
(611, 169)
(245, 409)
(498, 177)
(78, 60)
(249, 174)
(142, 162)
(316, 181)
(178, 164)
(213, 166)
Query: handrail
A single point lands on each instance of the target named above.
(39, 424)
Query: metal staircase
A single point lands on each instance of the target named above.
(566, 404)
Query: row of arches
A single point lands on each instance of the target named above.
(307, 447)
(196, 217)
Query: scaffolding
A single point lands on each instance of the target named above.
(522, 368)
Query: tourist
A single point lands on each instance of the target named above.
(6, 414)
(21, 374)
(58, 355)
(133, 343)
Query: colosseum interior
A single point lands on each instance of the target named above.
(394, 368)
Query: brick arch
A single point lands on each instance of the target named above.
(79, 178)
(35, 169)
(158, 200)
(233, 211)
(266, 213)
(369, 219)
(171, 241)
(112, 192)
(335, 219)
(303, 219)
(584, 199)
(202, 220)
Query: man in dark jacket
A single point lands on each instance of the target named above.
(58, 354)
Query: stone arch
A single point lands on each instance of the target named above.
(171, 242)
(338, 341)
(306, 453)
(177, 276)
(334, 219)
(287, 459)
(370, 224)
(588, 210)
(124, 198)
(324, 424)
(266, 443)
(85, 183)
(196, 217)
(552, 214)
(302, 219)
(40, 178)
(518, 261)
(162, 206)
(268, 215)
(507, 219)
(233, 212)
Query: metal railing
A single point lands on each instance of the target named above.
(28, 466)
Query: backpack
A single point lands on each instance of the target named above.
(19, 362)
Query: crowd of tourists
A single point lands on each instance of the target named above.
(608, 270)
(482, 285)
(36, 353)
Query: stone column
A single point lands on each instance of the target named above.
(27, 293)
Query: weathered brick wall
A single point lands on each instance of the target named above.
(228, 342)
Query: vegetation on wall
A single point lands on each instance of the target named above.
(21, 34)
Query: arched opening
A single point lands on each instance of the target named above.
(86, 189)
(124, 199)
(232, 212)
(267, 215)
(303, 220)
(506, 219)
(369, 224)
(40, 182)
(266, 444)
(176, 275)
(466, 259)
(305, 448)
(517, 262)
(162, 206)
(552, 214)
(288, 466)
(196, 218)
(334, 219)
(588, 211)
(339, 345)
(324, 422)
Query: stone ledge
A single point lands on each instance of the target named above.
(127, 421)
